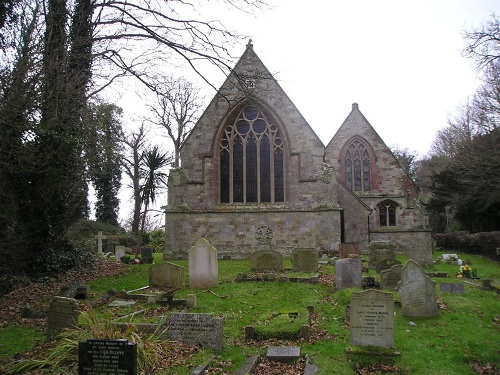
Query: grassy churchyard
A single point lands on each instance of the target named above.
(464, 338)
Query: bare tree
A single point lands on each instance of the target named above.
(176, 110)
(484, 43)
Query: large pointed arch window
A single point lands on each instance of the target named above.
(357, 167)
(251, 159)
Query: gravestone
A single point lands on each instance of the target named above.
(390, 278)
(202, 265)
(167, 275)
(146, 255)
(420, 254)
(417, 291)
(286, 354)
(63, 313)
(264, 236)
(96, 357)
(372, 319)
(304, 260)
(99, 237)
(195, 329)
(346, 249)
(348, 273)
(385, 264)
(378, 250)
(264, 260)
(452, 288)
(119, 252)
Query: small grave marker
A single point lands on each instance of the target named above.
(196, 329)
(457, 288)
(96, 357)
(287, 354)
(372, 319)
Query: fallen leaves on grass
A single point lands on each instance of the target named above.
(377, 369)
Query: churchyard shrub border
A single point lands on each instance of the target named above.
(483, 243)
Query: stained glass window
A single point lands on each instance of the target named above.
(251, 159)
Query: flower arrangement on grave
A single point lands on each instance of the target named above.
(465, 272)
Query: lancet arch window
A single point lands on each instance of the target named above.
(387, 213)
(251, 159)
(357, 167)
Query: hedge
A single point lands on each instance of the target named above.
(482, 243)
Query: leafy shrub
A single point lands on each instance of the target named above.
(482, 243)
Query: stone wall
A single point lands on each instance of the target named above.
(233, 233)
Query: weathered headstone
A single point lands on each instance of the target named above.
(63, 313)
(390, 278)
(305, 260)
(119, 252)
(348, 273)
(385, 264)
(266, 260)
(264, 236)
(287, 354)
(146, 255)
(452, 288)
(202, 264)
(378, 250)
(372, 319)
(417, 291)
(196, 329)
(420, 254)
(96, 357)
(346, 249)
(99, 237)
(79, 290)
(167, 275)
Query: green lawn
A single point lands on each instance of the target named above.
(466, 331)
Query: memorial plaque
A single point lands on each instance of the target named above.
(167, 275)
(107, 357)
(372, 319)
(63, 313)
(195, 329)
(305, 260)
(417, 291)
(266, 260)
(390, 278)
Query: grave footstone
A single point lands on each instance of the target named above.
(202, 265)
(378, 250)
(63, 313)
(390, 278)
(167, 275)
(146, 255)
(385, 264)
(305, 260)
(348, 273)
(266, 260)
(457, 288)
(195, 329)
(96, 357)
(372, 319)
(417, 291)
(287, 354)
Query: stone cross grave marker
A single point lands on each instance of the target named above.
(348, 273)
(195, 329)
(417, 291)
(202, 265)
(372, 319)
(390, 278)
(107, 357)
(63, 313)
(167, 275)
(99, 237)
(266, 260)
(305, 260)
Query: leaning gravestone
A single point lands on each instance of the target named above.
(390, 278)
(96, 357)
(372, 319)
(348, 273)
(167, 275)
(195, 329)
(266, 260)
(202, 265)
(63, 313)
(385, 264)
(304, 260)
(378, 250)
(417, 291)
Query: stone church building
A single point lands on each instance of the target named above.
(253, 161)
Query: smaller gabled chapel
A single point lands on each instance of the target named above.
(253, 161)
